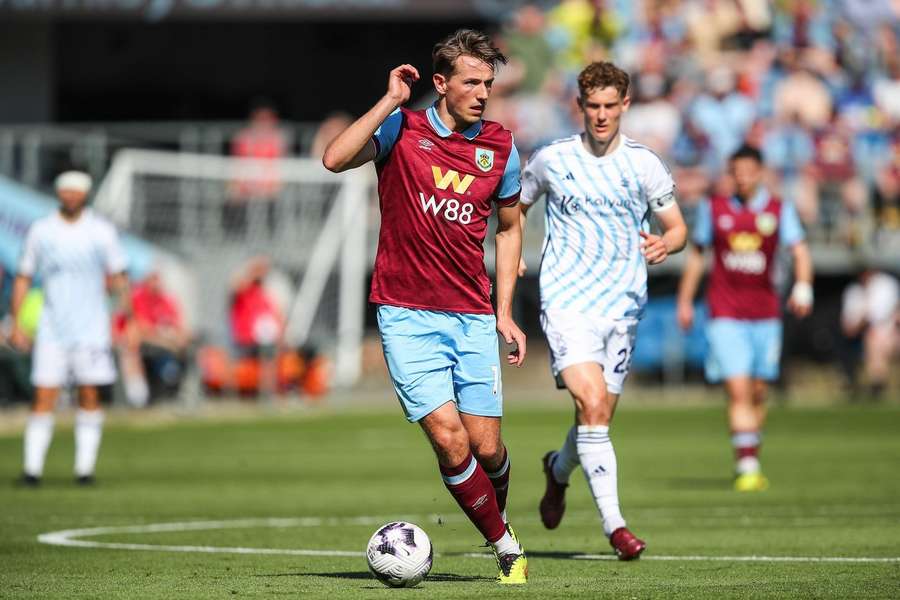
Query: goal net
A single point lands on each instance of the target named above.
(215, 213)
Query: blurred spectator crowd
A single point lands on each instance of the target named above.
(155, 347)
(814, 84)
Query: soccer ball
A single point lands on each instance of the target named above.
(399, 554)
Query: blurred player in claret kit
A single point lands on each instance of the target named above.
(72, 252)
(744, 333)
(441, 171)
(600, 188)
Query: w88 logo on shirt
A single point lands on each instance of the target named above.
(450, 208)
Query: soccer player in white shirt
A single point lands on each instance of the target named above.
(600, 188)
(72, 252)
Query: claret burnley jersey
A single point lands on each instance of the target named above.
(437, 189)
(744, 238)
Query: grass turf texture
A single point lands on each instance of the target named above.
(835, 488)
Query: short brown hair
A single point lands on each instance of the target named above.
(464, 42)
(599, 75)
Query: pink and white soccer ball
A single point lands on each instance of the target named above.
(399, 554)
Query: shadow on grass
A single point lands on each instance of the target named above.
(701, 483)
(367, 575)
(552, 554)
(455, 577)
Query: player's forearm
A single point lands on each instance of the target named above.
(121, 291)
(345, 147)
(509, 250)
(690, 279)
(523, 221)
(20, 289)
(675, 238)
(802, 294)
(674, 229)
(803, 265)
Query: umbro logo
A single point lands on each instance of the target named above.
(425, 144)
(480, 501)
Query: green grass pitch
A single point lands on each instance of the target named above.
(334, 476)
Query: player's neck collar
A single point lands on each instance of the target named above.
(756, 203)
(583, 142)
(65, 219)
(442, 130)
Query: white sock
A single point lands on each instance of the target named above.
(566, 458)
(506, 545)
(88, 431)
(38, 433)
(746, 446)
(598, 461)
(136, 391)
(748, 464)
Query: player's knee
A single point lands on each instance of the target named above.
(595, 416)
(741, 400)
(593, 409)
(44, 400)
(89, 398)
(42, 406)
(488, 451)
(450, 442)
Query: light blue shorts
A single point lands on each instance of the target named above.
(437, 357)
(743, 348)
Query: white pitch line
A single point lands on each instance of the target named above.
(751, 558)
(70, 538)
(200, 549)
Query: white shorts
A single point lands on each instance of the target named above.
(54, 365)
(575, 337)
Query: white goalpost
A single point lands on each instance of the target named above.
(215, 212)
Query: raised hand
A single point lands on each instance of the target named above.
(400, 83)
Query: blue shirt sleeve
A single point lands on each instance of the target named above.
(790, 231)
(511, 182)
(703, 228)
(386, 135)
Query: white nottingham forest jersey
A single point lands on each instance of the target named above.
(71, 260)
(596, 207)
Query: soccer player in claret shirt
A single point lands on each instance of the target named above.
(441, 172)
(744, 332)
(600, 188)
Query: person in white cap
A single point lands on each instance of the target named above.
(72, 252)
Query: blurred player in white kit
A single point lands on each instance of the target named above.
(74, 254)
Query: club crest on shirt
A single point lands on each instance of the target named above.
(726, 222)
(766, 223)
(484, 159)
